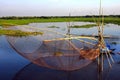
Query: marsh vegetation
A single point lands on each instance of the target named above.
(53, 26)
(18, 33)
(84, 26)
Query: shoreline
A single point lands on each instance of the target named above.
(15, 22)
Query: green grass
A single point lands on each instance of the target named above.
(14, 22)
(6, 25)
(84, 26)
(18, 33)
(53, 27)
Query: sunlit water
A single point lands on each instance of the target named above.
(14, 67)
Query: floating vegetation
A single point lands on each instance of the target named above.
(18, 33)
(84, 26)
(53, 27)
(6, 25)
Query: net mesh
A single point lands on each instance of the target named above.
(60, 54)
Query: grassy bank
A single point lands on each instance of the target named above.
(12, 22)
(18, 33)
(84, 26)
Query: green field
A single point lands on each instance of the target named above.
(13, 22)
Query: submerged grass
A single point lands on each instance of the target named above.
(18, 33)
(84, 26)
(14, 22)
(53, 27)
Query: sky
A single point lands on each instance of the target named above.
(57, 7)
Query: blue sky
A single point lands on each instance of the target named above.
(56, 7)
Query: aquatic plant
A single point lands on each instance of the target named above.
(84, 26)
(18, 33)
(53, 26)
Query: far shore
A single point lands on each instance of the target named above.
(14, 21)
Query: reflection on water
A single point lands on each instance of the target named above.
(109, 29)
(12, 63)
(34, 72)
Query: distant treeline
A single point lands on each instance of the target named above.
(49, 17)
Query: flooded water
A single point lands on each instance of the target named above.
(15, 67)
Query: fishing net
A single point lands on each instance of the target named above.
(56, 51)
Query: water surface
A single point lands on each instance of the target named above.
(15, 67)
